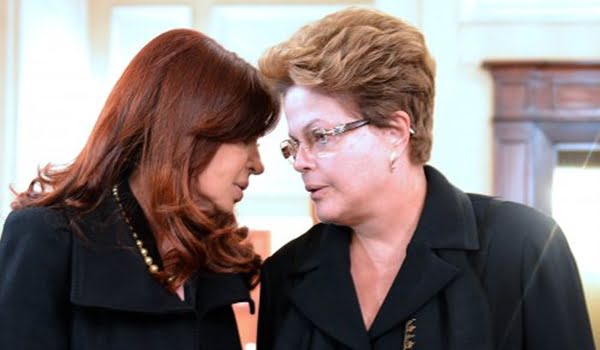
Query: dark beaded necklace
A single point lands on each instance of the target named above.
(152, 267)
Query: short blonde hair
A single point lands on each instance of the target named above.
(377, 61)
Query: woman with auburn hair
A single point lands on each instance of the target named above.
(135, 245)
(402, 259)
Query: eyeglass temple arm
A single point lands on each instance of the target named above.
(340, 129)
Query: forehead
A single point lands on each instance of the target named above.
(304, 106)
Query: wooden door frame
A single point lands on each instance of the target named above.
(540, 106)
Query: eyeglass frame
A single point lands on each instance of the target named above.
(335, 131)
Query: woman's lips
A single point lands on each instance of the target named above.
(316, 191)
(239, 192)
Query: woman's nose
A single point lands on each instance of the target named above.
(303, 160)
(256, 165)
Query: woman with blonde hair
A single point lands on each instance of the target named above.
(402, 258)
(134, 245)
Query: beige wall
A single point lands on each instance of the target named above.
(3, 80)
(460, 33)
(7, 100)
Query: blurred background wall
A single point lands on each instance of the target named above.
(59, 59)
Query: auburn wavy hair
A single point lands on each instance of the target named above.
(180, 98)
(368, 58)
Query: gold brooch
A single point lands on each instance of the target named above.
(409, 334)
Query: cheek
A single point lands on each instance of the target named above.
(203, 183)
(211, 180)
(219, 173)
(347, 175)
(360, 174)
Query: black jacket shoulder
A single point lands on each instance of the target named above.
(42, 219)
(39, 228)
(298, 245)
(35, 261)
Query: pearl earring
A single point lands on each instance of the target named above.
(393, 158)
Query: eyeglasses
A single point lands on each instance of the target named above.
(318, 140)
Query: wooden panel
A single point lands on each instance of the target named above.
(539, 92)
(577, 96)
(524, 160)
(512, 98)
(247, 323)
(546, 91)
(580, 132)
(543, 161)
(512, 167)
(539, 105)
(512, 173)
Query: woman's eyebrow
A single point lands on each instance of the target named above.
(308, 127)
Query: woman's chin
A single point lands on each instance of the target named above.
(217, 206)
(227, 208)
(325, 214)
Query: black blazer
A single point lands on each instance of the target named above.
(61, 291)
(527, 296)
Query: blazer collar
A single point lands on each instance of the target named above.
(108, 270)
(447, 220)
(324, 292)
(322, 288)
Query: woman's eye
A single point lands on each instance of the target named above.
(287, 151)
(319, 136)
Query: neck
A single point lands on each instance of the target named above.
(141, 197)
(136, 189)
(136, 185)
(397, 214)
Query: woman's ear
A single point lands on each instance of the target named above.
(399, 129)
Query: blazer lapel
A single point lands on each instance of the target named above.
(468, 311)
(108, 272)
(437, 263)
(325, 294)
(214, 290)
(422, 276)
